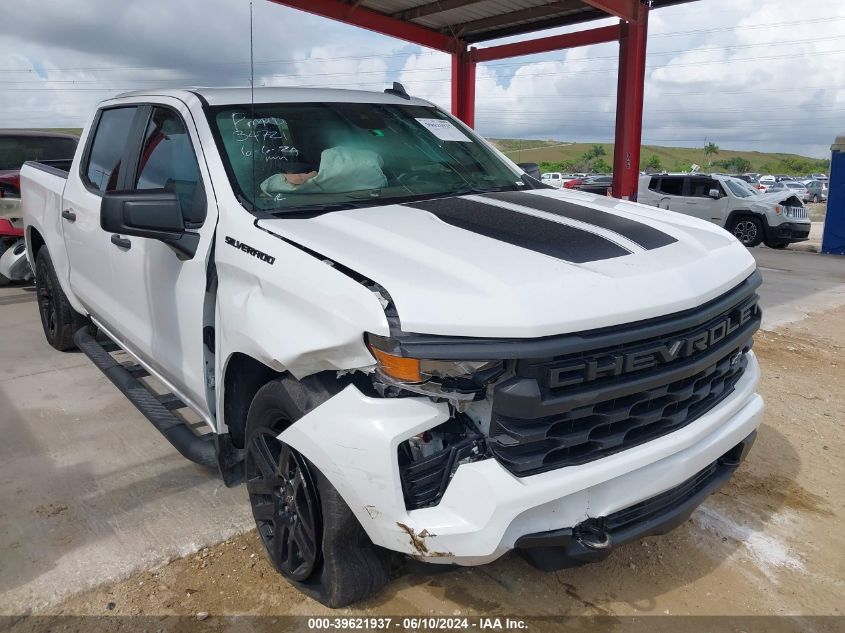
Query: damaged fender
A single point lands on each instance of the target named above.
(353, 440)
(282, 309)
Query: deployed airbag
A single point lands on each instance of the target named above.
(341, 169)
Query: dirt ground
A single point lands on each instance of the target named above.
(771, 542)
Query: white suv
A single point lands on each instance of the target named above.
(777, 218)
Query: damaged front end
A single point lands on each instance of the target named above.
(428, 460)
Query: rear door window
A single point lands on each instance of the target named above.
(103, 168)
(672, 186)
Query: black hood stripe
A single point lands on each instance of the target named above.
(646, 236)
(537, 234)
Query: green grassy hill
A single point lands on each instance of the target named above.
(557, 156)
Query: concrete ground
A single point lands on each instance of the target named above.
(89, 492)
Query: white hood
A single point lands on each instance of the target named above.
(523, 272)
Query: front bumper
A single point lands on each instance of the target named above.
(486, 510)
(788, 232)
(592, 540)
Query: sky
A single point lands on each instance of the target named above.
(765, 75)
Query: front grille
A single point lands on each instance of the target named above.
(573, 409)
(797, 213)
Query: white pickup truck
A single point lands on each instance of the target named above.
(397, 339)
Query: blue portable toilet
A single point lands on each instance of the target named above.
(834, 223)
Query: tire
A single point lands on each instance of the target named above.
(748, 230)
(4, 281)
(58, 319)
(816, 198)
(777, 245)
(324, 552)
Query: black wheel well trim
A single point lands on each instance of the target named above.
(244, 375)
(36, 241)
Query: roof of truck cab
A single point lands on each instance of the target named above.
(241, 95)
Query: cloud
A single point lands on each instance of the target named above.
(747, 74)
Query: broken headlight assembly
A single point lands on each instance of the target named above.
(459, 381)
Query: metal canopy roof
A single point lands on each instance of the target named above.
(479, 20)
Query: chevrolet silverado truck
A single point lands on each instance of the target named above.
(397, 340)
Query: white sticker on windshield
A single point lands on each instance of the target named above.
(444, 130)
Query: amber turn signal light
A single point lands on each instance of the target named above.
(398, 367)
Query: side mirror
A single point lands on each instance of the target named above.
(532, 169)
(154, 214)
(714, 193)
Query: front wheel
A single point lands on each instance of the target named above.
(310, 534)
(748, 230)
(58, 319)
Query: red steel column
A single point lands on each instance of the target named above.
(463, 86)
(629, 106)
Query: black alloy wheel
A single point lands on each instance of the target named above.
(285, 503)
(46, 294)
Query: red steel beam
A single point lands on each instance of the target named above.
(629, 108)
(378, 22)
(548, 44)
(628, 10)
(463, 86)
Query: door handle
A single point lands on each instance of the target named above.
(69, 215)
(121, 242)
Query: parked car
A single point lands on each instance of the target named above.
(820, 177)
(777, 218)
(798, 188)
(816, 191)
(592, 184)
(17, 147)
(765, 182)
(556, 179)
(396, 341)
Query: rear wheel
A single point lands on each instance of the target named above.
(310, 534)
(816, 198)
(748, 230)
(58, 319)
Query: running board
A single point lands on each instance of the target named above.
(157, 409)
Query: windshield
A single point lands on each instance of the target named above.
(794, 185)
(294, 156)
(16, 150)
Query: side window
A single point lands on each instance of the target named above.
(700, 187)
(654, 183)
(168, 162)
(672, 186)
(104, 168)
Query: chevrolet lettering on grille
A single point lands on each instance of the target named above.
(616, 364)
